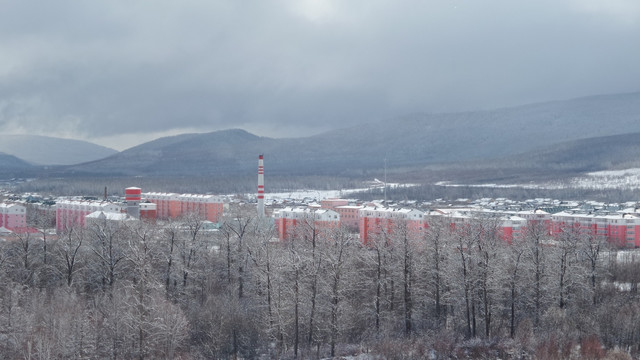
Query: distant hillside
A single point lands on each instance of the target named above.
(44, 150)
(11, 166)
(556, 162)
(220, 152)
(593, 154)
(446, 138)
(410, 141)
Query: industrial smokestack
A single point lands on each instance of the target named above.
(260, 186)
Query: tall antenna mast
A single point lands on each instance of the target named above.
(385, 180)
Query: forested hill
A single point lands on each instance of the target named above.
(44, 150)
(557, 162)
(11, 166)
(408, 141)
(593, 154)
(445, 138)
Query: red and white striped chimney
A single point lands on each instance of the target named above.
(260, 186)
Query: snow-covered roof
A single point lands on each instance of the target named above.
(85, 204)
(306, 213)
(206, 198)
(112, 216)
(356, 207)
(571, 215)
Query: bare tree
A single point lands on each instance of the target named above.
(514, 258)
(489, 242)
(338, 250)
(190, 243)
(464, 243)
(170, 233)
(379, 247)
(404, 241)
(68, 248)
(108, 247)
(42, 218)
(436, 254)
(26, 250)
(235, 229)
(591, 247)
(536, 241)
(565, 256)
(263, 257)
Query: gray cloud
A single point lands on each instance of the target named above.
(104, 69)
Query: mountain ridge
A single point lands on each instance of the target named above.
(413, 140)
(409, 141)
(46, 150)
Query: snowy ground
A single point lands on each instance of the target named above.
(619, 179)
(309, 195)
(306, 195)
(502, 186)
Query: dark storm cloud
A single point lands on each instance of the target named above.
(101, 69)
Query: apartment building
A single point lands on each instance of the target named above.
(172, 206)
(292, 222)
(13, 216)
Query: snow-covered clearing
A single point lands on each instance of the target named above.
(614, 179)
(310, 195)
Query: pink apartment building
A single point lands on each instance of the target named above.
(71, 213)
(13, 216)
(171, 206)
(349, 214)
(620, 229)
(305, 222)
(377, 222)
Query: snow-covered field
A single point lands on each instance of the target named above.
(502, 186)
(306, 195)
(618, 179)
(312, 195)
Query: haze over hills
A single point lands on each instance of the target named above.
(10, 162)
(13, 167)
(556, 162)
(409, 141)
(613, 152)
(44, 150)
(445, 138)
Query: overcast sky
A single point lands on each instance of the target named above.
(119, 73)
